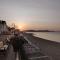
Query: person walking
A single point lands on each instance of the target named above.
(22, 51)
(17, 43)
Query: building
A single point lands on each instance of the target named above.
(3, 26)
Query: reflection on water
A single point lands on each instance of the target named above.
(53, 36)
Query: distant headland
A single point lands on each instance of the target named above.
(38, 31)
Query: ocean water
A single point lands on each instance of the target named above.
(53, 36)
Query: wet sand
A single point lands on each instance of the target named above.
(49, 48)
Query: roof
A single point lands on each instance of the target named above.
(2, 22)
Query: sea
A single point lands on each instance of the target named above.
(52, 36)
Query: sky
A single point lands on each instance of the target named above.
(31, 14)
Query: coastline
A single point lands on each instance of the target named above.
(47, 47)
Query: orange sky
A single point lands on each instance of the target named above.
(25, 26)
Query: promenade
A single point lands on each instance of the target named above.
(49, 48)
(31, 52)
(35, 49)
(9, 54)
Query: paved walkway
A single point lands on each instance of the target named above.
(9, 55)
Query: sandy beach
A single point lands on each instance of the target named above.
(49, 48)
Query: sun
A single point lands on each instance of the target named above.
(21, 28)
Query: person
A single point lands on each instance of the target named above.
(17, 43)
(22, 51)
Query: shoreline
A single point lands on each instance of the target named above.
(50, 48)
(44, 38)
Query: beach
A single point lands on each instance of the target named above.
(49, 48)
